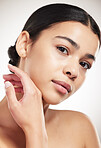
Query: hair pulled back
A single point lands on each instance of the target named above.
(46, 16)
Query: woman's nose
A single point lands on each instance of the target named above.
(72, 70)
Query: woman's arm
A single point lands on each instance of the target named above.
(88, 132)
(36, 139)
(91, 137)
(28, 111)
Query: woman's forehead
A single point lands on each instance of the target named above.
(70, 27)
(81, 35)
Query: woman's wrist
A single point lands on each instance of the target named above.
(36, 138)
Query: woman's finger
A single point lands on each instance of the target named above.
(15, 83)
(10, 93)
(17, 86)
(19, 90)
(9, 77)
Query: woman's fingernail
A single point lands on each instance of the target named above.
(7, 84)
(10, 65)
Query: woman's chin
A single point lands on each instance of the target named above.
(54, 100)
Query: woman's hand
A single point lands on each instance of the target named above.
(28, 111)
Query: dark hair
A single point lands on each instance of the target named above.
(48, 15)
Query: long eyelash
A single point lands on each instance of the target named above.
(58, 47)
(89, 65)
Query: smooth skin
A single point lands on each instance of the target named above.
(25, 119)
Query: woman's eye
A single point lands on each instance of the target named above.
(85, 65)
(62, 49)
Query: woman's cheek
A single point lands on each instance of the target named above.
(80, 81)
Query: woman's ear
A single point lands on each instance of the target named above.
(22, 42)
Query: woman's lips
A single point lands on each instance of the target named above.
(62, 86)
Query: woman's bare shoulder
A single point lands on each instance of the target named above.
(80, 125)
(70, 115)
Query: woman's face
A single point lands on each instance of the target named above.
(58, 61)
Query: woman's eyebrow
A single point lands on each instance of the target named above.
(90, 56)
(74, 44)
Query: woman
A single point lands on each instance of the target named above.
(51, 57)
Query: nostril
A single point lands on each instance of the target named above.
(68, 73)
(72, 77)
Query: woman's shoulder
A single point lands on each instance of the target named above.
(70, 115)
(76, 119)
(79, 124)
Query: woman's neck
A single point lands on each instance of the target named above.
(6, 119)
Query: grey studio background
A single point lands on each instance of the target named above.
(13, 15)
